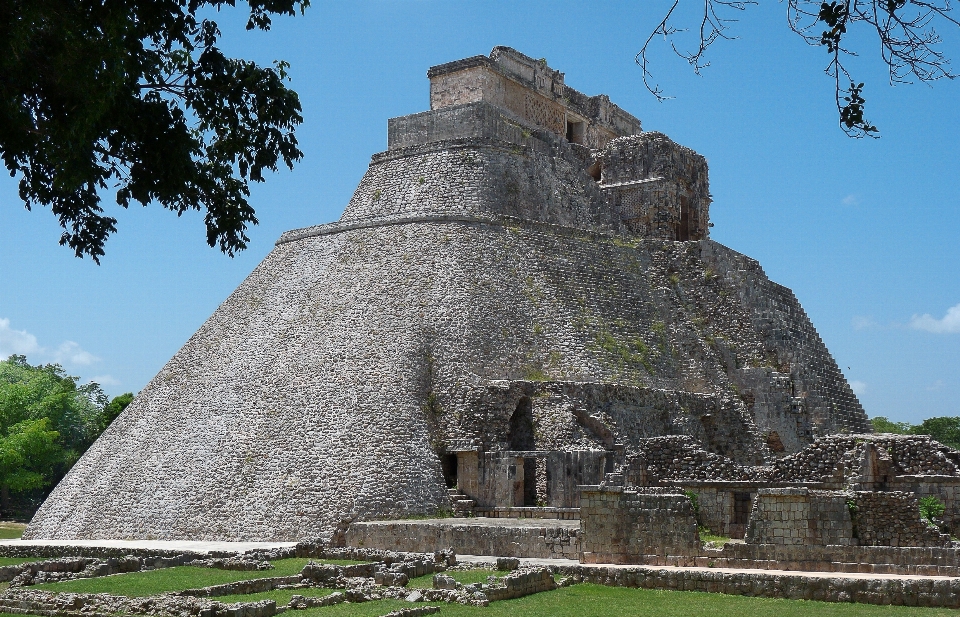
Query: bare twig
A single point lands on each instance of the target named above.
(908, 43)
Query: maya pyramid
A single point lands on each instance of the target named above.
(519, 247)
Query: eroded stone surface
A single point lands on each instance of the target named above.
(469, 271)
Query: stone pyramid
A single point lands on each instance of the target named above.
(523, 269)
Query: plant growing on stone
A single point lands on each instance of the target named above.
(931, 508)
(695, 503)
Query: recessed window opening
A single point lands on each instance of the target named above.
(742, 504)
(575, 131)
(448, 464)
(595, 171)
(683, 229)
(521, 426)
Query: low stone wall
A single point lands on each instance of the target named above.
(624, 526)
(96, 605)
(899, 591)
(470, 537)
(521, 583)
(800, 516)
(255, 585)
(927, 561)
(104, 552)
(892, 518)
(563, 514)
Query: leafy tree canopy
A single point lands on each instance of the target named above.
(945, 429)
(134, 95)
(113, 409)
(47, 421)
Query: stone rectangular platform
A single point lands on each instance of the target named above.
(119, 548)
(504, 537)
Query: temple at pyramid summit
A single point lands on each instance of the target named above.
(520, 300)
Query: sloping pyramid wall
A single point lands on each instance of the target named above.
(302, 400)
(479, 262)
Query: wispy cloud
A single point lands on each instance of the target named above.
(859, 387)
(105, 380)
(23, 343)
(936, 386)
(70, 352)
(864, 322)
(16, 341)
(948, 324)
(850, 200)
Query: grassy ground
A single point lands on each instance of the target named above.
(598, 601)
(138, 584)
(11, 530)
(280, 596)
(461, 576)
(577, 601)
(12, 561)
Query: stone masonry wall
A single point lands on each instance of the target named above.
(532, 91)
(286, 372)
(892, 519)
(657, 185)
(894, 590)
(604, 416)
(543, 539)
(622, 526)
(798, 516)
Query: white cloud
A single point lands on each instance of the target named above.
(71, 353)
(864, 322)
(104, 380)
(859, 387)
(23, 343)
(850, 200)
(13, 341)
(935, 386)
(949, 324)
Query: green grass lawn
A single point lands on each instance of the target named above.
(11, 530)
(599, 601)
(461, 576)
(280, 596)
(576, 601)
(138, 584)
(12, 561)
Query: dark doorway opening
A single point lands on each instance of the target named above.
(742, 505)
(521, 426)
(448, 463)
(529, 482)
(683, 230)
(575, 131)
(596, 171)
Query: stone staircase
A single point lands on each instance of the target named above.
(460, 503)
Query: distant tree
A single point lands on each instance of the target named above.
(883, 425)
(47, 421)
(946, 430)
(135, 95)
(115, 406)
(904, 32)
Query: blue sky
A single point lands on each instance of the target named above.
(864, 231)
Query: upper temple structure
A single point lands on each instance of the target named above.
(521, 298)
